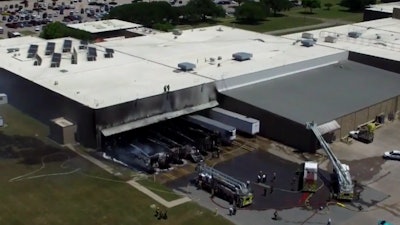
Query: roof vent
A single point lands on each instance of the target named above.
(330, 39)
(354, 34)
(242, 56)
(186, 66)
(307, 35)
(308, 42)
(11, 50)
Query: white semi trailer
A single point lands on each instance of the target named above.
(242, 123)
(227, 133)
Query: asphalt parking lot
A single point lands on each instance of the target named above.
(76, 7)
(378, 181)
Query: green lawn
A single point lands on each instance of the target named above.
(19, 123)
(270, 24)
(43, 184)
(89, 196)
(27, 32)
(273, 23)
(159, 189)
(336, 12)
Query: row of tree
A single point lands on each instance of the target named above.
(162, 16)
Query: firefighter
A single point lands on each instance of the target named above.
(273, 177)
(157, 213)
(264, 178)
(258, 178)
(293, 183)
(165, 216)
(231, 211)
(248, 184)
(276, 216)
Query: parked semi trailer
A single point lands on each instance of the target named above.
(242, 123)
(227, 133)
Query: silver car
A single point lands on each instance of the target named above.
(394, 154)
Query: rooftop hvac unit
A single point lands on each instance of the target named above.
(307, 42)
(330, 39)
(186, 66)
(242, 56)
(354, 34)
(307, 35)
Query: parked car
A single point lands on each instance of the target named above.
(38, 28)
(384, 222)
(394, 154)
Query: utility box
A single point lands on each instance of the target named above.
(62, 131)
(3, 99)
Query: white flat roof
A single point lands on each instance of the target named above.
(384, 7)
(104, 25)
(142, 66)
(379, 38)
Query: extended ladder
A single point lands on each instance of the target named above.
(218, 175)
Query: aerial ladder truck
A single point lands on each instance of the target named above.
(224, 186)
(341, 172)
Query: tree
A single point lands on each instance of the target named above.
(328, 5)
(59, 30)
(312, 4)
(145, 13)
(250, 12)
(200, 10)
(356, 5)
(278, 5)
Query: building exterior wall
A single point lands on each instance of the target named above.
(69, 134)
(396, 13)
(374, 15)
(347, 124)
(351, 121)
(386, 64)
(155, 105)
(44, 105)
(273, 126)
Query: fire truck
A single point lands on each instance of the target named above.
(310, 176)
(224, 186)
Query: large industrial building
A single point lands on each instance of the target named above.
(380, 11)
(108, 88)
(104, 29)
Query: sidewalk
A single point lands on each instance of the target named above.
(133, 183)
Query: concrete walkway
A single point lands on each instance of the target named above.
(133, 183)
(157, 198)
